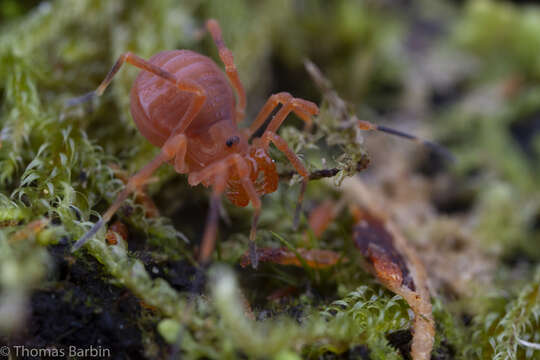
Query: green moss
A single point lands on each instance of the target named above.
(55, 167)
(499, 331)
(486, 24)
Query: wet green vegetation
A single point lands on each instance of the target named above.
(466, 74)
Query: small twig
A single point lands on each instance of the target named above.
(326, 173)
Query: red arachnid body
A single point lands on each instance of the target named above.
(157, 105)
(183, 103)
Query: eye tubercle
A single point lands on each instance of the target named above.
(233, 140)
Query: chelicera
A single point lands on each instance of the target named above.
(182, 102)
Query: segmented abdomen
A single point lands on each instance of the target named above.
(157, 105)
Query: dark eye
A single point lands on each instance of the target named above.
(232, 140)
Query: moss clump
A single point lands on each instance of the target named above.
(435, 70)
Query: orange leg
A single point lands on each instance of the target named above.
(170, 148)
(209, 172)
(303, 108)
(282, 146)
(209, 237)
(214, 173)
(243, 173)
(141, 197)
(179, 146)
(227, 57)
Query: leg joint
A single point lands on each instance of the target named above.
(305, 105)
(282, 97)
(226, 56)
(171, 146)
